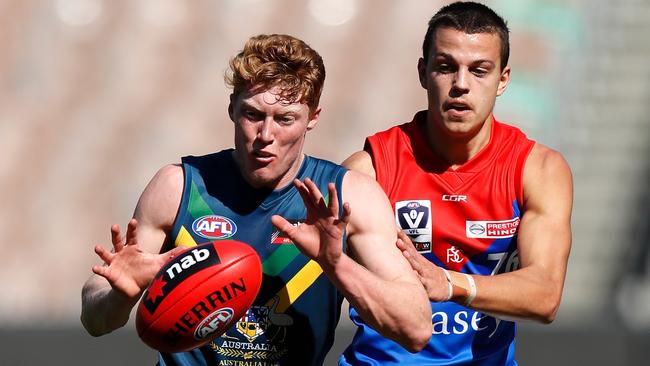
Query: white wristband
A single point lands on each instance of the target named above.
(472, 290)
(449, 285)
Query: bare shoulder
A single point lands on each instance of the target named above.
(360, 161)
(161, 198)
(547, 178)
(358, 182)
(368, 202)
(544, 162)
(169, 177)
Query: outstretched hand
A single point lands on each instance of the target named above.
(432, 277)
(127, 268)
(320, 237)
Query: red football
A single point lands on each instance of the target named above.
(198, 295)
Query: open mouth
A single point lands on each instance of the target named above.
(456, 107)
(263, 156)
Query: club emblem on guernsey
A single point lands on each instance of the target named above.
(254, 323)
(453, 255)
(257, 338)
(214, 227)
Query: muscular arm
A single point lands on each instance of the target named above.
(111, 292)
(378, 275)
(544, 240)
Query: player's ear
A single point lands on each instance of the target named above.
(504, 79)
(313, 118)
(422, 72)
(231, 107)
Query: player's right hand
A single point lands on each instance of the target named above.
(320, 236)
(432, 277)
(127, 268)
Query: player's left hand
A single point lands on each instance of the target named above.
(432, 277)
(320, 237)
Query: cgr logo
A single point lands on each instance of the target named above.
(213, 323)
(214, 227)
(454, 197)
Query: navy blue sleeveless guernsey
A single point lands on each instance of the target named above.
(293, 319)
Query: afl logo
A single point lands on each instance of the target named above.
(213, 323)
(214, 227)
(413, 205)
(477, 229)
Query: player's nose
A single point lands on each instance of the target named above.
(265, 132)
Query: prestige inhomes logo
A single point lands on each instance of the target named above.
(492, 229)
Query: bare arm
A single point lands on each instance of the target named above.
(375, 273)
(384, 275)
(111, 292)
(544, 240)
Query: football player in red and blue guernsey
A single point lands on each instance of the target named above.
(484, 211)
(241, 194)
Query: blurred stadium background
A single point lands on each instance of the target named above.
(96, 95)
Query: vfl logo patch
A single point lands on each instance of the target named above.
(214, 227)
(213, 323)
(176, 271)
(414, 218)
(280, 237)
(492, 229)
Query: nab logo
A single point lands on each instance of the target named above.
(176, 271)
(213, 323)
(214, 227)
(454, 197)
(196, 255)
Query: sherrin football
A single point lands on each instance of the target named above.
(198, 295)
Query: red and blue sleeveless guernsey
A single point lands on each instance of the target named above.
(293, 319)
(462, 219)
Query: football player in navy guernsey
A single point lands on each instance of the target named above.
(319, 250)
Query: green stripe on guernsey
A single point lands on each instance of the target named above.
(280, 259)
(197, 206)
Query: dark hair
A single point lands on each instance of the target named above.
(270, 60)
(471, 18)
